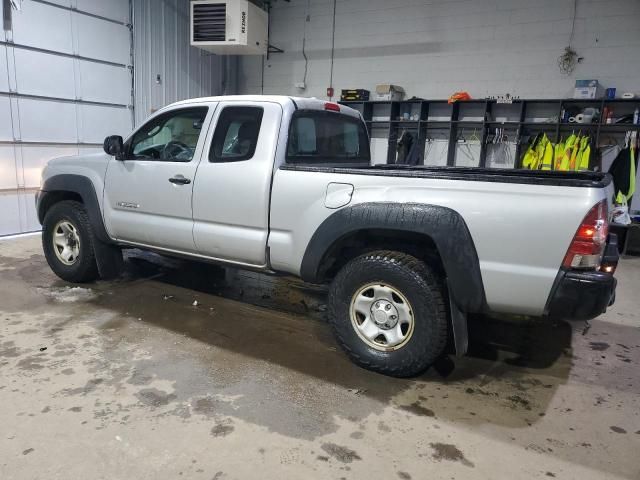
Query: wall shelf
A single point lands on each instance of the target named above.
(521, 120)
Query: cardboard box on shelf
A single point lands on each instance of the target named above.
(386, 92)
(588, 89)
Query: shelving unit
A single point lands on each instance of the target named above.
(520, 120)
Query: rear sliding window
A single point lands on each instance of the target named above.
(319, 137)
(236, 135)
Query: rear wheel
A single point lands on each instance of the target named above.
(388, 312)
(67, 241)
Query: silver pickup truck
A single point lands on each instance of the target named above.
(285, 185)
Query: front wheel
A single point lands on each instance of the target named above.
(388, 312)
(67, 241)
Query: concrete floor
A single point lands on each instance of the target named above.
(130, 380)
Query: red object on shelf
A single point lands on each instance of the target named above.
(458, 96)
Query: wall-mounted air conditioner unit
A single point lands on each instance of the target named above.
(231, 27)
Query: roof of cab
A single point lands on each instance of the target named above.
(299, 102)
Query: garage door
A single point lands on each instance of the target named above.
(65, 84)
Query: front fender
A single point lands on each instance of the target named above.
(77, 184)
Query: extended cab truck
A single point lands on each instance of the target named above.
(284, 185)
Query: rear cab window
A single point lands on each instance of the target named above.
(327, 138)
(236, 135)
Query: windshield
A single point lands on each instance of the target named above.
(327, 137)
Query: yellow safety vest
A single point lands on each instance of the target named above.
(558, 154)
(566, 156)
(530, 158)
(547, 155)
(585, 153)
(540, 149)
(574, 153)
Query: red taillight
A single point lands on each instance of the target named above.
(587, 246)
(334, 107)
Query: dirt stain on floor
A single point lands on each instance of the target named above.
(204, 406)
(418, 409)
(341, 453)
(383, 427)
(140, 379)
(617, 429)
(8, 350)
(89, 387)
(31, 363)
(598, 346)
(153, 397)
(519, 401)
(222, 429)
(448, 451)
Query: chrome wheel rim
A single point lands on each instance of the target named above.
(66, 242)
(382, 316)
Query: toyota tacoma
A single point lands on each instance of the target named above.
(285, 185)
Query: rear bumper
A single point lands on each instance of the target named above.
(585, 295)
(582, 295)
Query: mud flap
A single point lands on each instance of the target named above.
(109, 260)
(459, 327)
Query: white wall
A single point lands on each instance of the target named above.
(433, 48)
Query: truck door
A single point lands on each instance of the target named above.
(147, 195)
(233, 185)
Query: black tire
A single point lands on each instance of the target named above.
(84, 268)
(421, 287)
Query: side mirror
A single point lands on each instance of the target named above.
(113, 146)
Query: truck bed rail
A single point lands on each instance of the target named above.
(471, 174)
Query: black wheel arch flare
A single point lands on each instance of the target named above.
(77, 184)
(443, 225)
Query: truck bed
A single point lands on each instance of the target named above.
(535, 177)
(521, 221)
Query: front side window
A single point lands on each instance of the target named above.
(236, 135)
(326, 137)
(170, 137)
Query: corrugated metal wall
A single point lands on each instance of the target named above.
(161, 47)
(65, 83)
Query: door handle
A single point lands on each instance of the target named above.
(180, 180)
